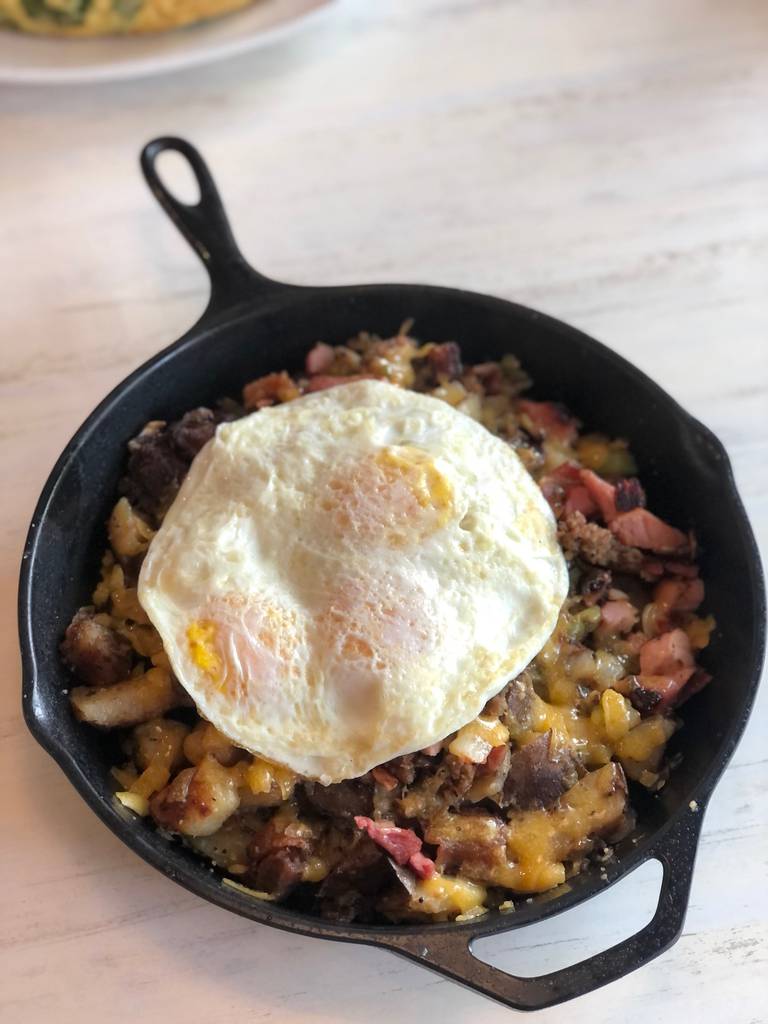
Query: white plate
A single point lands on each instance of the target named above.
(43, 60)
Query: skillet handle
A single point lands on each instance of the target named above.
(450, 952)
(205, 226)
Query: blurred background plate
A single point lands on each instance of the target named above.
(43, 60)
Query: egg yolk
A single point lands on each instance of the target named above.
(201, 637)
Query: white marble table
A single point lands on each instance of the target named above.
(606, 161)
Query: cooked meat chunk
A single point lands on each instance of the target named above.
(597, 544)
(96, 653)
(280, 871)
(539, 774)
(198, 801)
(155, 470)
(445, 361)
(341, 800)
(158, 459)
(470, 842)
(461, 775)
(643, 529)
(595, 584)
(629, 494)
(519, 695)
(127, 703)
(406, 767)
(350, 891)
(192, 432)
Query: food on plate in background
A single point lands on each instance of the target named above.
(109, 17)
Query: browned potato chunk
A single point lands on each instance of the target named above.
(129, 702)
(206, 739)
(129, 534)
(198, 801)
(159, 739)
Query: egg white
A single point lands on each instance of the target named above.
(351, 576)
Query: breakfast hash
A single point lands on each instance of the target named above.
(521, 794)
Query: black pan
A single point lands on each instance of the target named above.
(254, 325)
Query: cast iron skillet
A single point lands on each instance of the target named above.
(254, 325)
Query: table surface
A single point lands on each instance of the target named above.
(605, 161)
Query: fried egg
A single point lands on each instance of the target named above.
(350, 576)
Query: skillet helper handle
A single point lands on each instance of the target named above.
(205, 226)
(450, 953)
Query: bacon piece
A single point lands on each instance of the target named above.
(319, 359)
(321, 382)
(667, 655)
(679, 595)
(602, 493)
(618, 616)
(642, 529)
(549, 420)
(402, 844)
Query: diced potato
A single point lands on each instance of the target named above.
(198, 801)
(129, 534)
(474, 741)
(159, 739)
(642, 742)
(206, 739)
(128, 703)
(618, 715)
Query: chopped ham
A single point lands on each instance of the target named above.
(642, 529)
(682, 569)
(496, 757)
(618, 616)
(549, 420)
(667, 688)
(422, 865)
(385, 778)
(679, 595)
(559, 482)
(602, 493)
(319, 359)
(433, 749)
(321, 382)
(402, 844)
(580, 500)
(668, 655)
